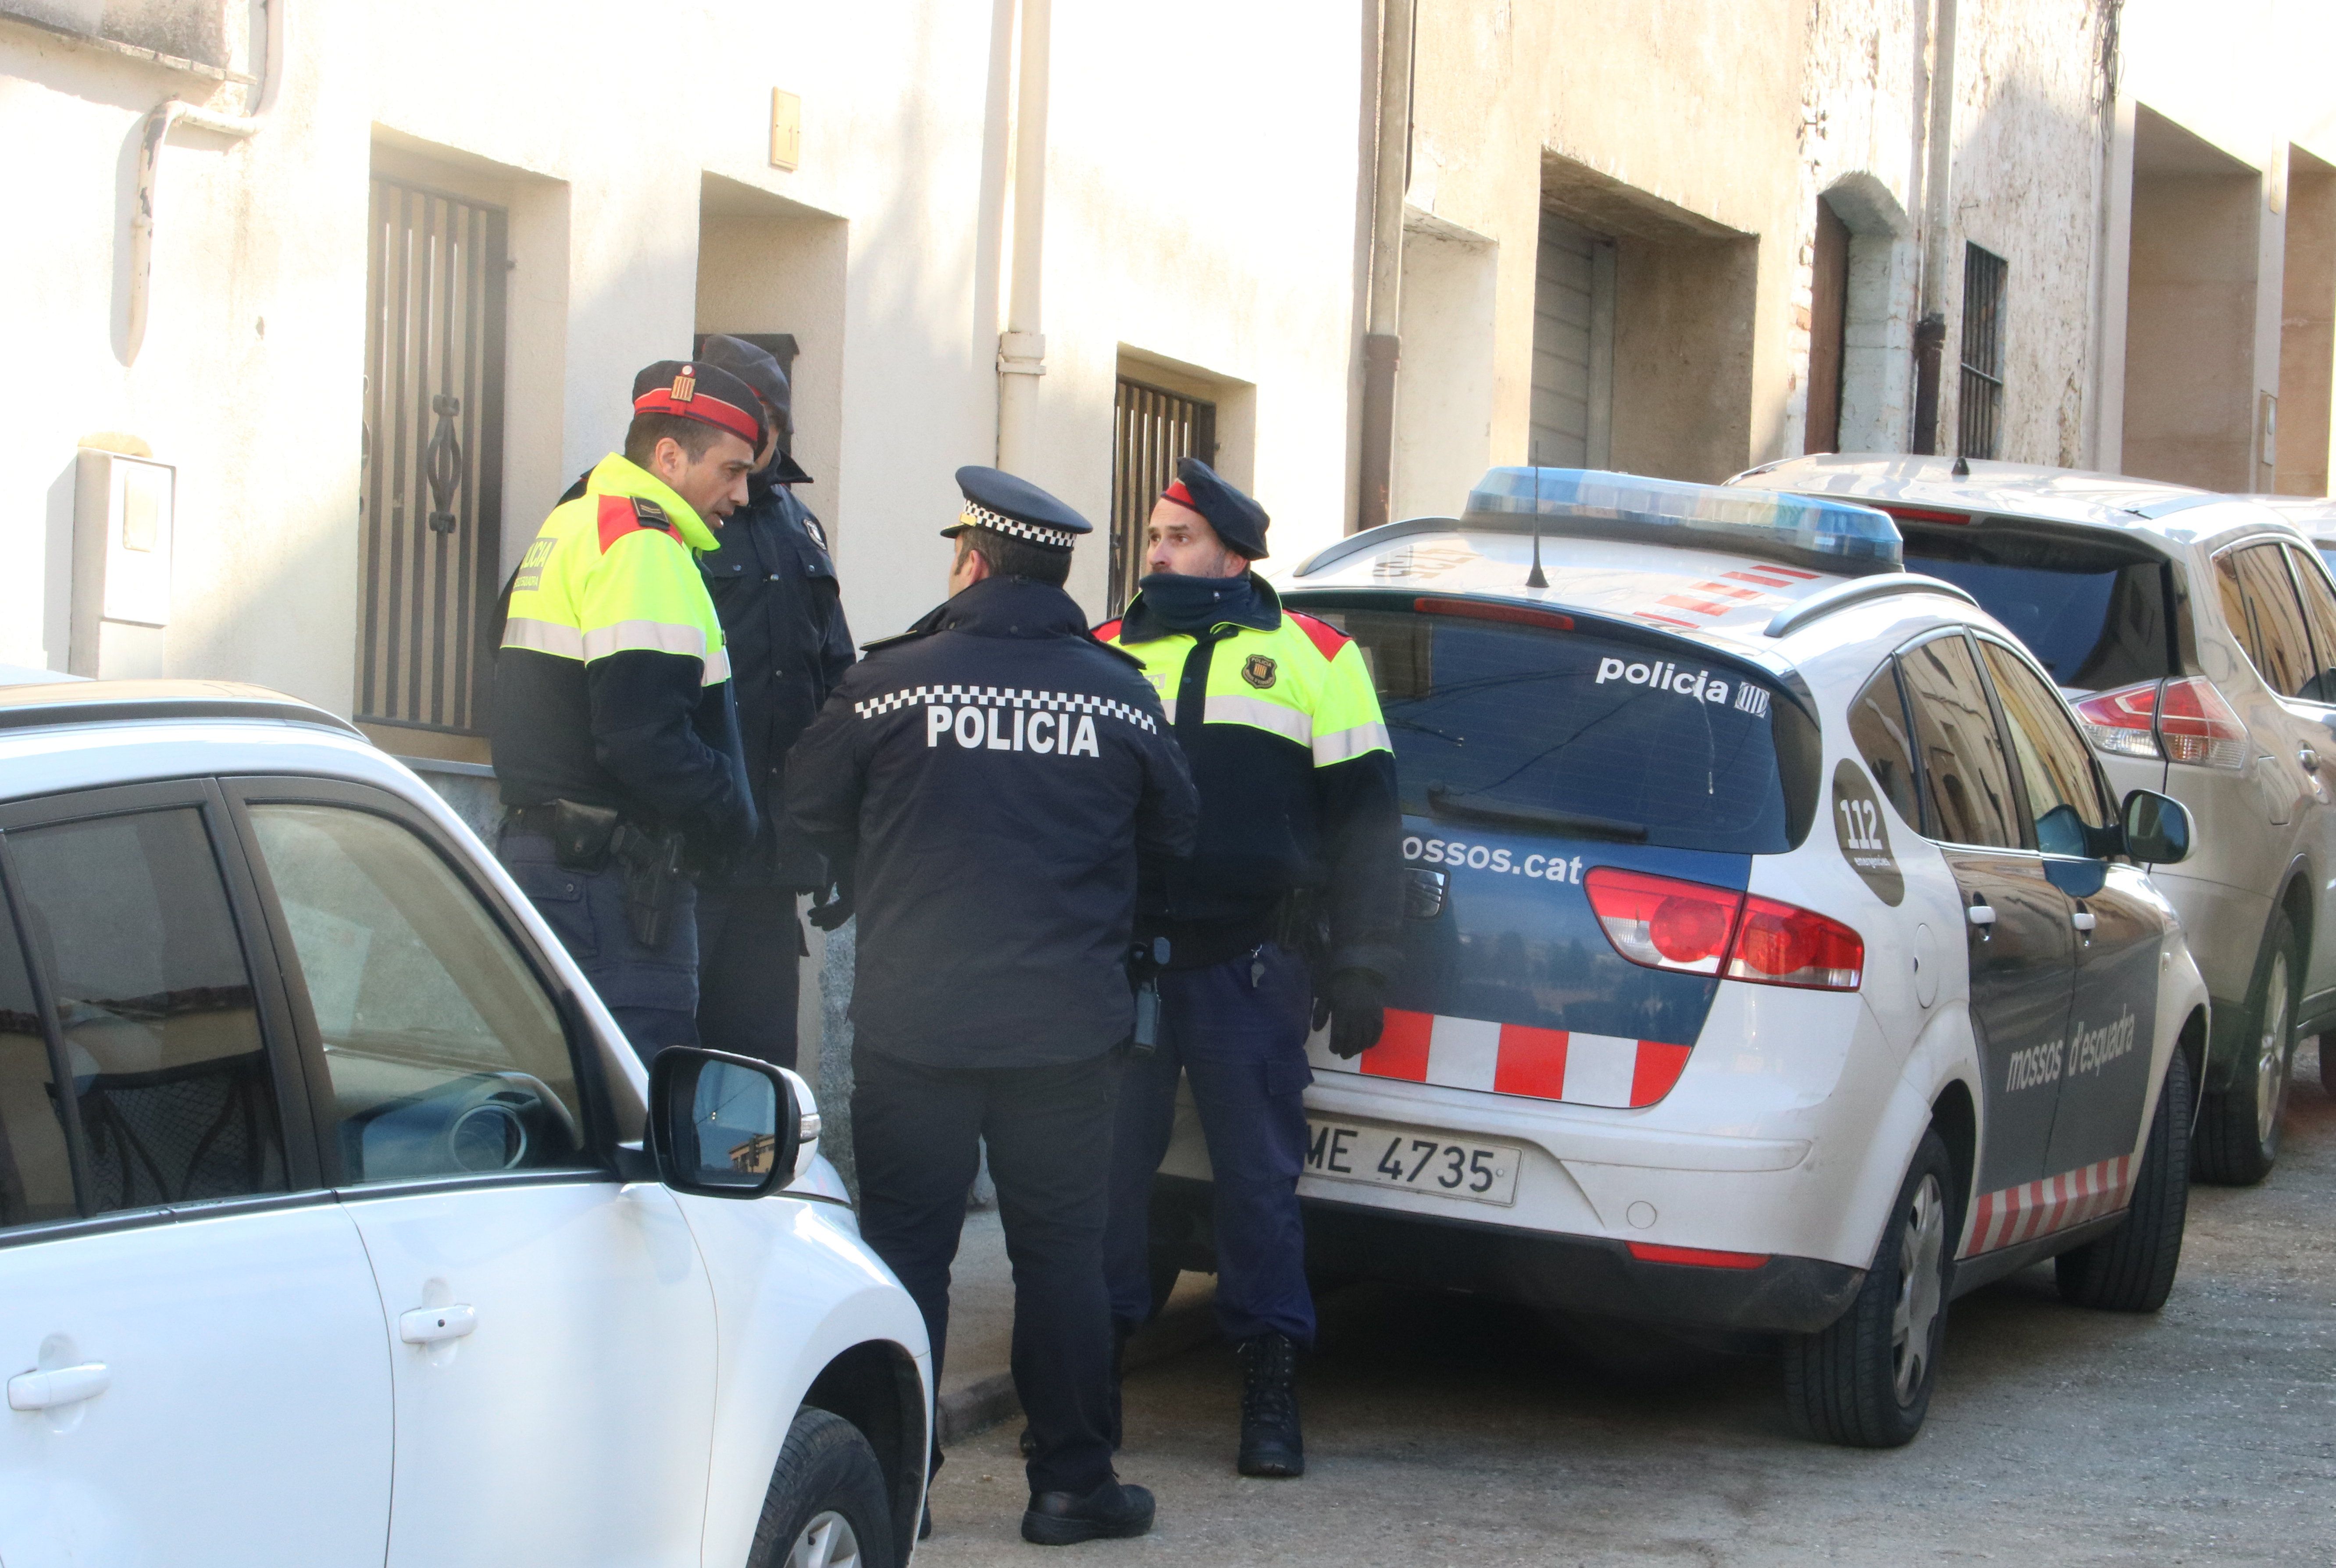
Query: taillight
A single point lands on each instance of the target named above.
(1661, 923)
(1695, 1257)
(2184, 720)
(1780, 945)
(1694, 928)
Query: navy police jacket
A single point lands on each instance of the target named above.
(988, 779)
(774, 588)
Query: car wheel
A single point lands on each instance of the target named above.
(1865, 1381)
(2239, 1128)
(828, 1506)
(2131, 1269)
(2327, 1063)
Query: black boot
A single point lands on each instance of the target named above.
(1112, 1512)
(1271, 1444)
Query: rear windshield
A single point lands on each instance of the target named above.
(2093, 619)
(1588, 732)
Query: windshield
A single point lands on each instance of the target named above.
(2093, 619)
(1586, 733)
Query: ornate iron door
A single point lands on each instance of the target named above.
(431, 500)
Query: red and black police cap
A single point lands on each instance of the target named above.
(1015, 506)
(1239, 521)
(689, 389)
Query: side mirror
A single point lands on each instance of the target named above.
(2156, 828)
(720, 1125)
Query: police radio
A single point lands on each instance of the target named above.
(1144, 962)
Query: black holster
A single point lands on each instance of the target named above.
(579, 834)
(655, 875)
(1301, 925)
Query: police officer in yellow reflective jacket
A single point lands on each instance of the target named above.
(616, 739)
(1288, 908)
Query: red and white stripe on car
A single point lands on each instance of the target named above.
(2033, 1209)
(1540, 1063)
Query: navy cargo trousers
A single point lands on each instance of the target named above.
(1237, 1030)
(652, 993)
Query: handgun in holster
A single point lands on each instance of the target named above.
(655, 875)
(1144, 962)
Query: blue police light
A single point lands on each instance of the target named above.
(1828, 535)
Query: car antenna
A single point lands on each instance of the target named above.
(1535, 578)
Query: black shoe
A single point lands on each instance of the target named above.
(1112, 1512)
(1270, 1443)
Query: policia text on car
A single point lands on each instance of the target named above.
(988, 781)
(1293, 897)
(615, 735)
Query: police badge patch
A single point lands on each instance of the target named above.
(1259, 671)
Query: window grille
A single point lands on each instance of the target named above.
(1151, 428)
(1981, 404)
(432, 496)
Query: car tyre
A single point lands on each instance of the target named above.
(2327, 1063)
(2132, 1268)
(2239, 1127)
(1865, 1381)
(828, 1506)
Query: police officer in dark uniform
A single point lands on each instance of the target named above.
(615, 736)
(774, 586)
(988, 781)
(1288, 909)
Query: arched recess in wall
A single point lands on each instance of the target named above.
(1862, 329)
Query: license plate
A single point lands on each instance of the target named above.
(1412, 1160)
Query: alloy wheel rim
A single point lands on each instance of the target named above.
(2271, 1055)
(1914, 1322)
(827, 1542)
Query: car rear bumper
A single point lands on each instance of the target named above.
(1539, 1268)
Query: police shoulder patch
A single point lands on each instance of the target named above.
(650, 514)
(1260, 671)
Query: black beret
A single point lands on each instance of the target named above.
(708, 393)
(750, 365)
(999, 502)
(1239, 521)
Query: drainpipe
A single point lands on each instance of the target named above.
(1022, 346)
(168, 113)
(1381, 339)
(1930, 327)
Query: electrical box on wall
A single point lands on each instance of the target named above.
(123, 516)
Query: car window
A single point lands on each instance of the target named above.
(35, 1173)
(445, 1054)
(2093, 614)
(1967, 793)
(170, 1079)
(2320, 614)
(1878, 728)
(2259, 602)
(2054, 765)
(1545, 720)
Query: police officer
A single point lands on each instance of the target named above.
(987, 780)
(615, 735)
(1293, 897)
(774, 586)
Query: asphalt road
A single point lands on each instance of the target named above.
(1447, 1431)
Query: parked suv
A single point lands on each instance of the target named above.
(1775, 959)
(2196, 633)
(340, 1224)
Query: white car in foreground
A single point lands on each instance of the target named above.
(1778, 959)
(327, 1233)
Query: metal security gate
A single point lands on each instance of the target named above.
(1151, 428)
(1574, 346)
(431, 500)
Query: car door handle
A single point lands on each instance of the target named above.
(1981, 915)
(430, 1325)
(65, 1386)
(2083, 920)
(2310, 759)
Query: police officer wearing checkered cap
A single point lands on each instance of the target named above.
(984, 784)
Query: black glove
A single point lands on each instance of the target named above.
(830, 909)
(1352, 1004)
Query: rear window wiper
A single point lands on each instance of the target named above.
(1442, 803)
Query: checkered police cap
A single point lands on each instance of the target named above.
(1013, 507)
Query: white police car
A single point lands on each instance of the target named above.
(323, 1236)
(1778, 959)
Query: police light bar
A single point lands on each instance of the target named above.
(1831, 536)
